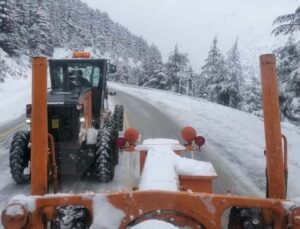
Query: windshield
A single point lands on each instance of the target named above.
(67, 74)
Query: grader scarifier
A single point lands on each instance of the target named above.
(196, 207)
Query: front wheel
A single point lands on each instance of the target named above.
(19, 157)
(72, 217)
(104, 166)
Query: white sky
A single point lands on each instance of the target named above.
(192, 24)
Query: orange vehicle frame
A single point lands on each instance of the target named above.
(184, 208)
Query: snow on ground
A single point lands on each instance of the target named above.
(235, 136)
(15, 92)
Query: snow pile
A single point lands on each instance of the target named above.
(14, 210)
(190, 167)
(147, 143)
(27, 201)
(150, 224)
(160, 141)
(162, 166)
(105, 214)
(91, 136)
(159, 170)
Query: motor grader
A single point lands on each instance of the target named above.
(190, 205)
(79, 123)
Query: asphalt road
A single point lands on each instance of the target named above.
(153, 123)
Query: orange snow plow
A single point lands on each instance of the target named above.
(196, 207)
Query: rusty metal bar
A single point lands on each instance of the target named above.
(39, 132)
(274, 154)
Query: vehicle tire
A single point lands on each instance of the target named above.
(19, 156)
(72, 217)
(104, 165)
(240, 218)
(118, 117)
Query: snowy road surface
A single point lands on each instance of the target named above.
(235, 140)
(232, 147)
(150, 121)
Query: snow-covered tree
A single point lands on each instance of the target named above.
(8, 27)
(288, 67)
(40, 30)
(36, 27)
(21, 27)
(214, 74)
(287, 24)
(252, 96)
(153, 71)
(177, 72)
(191, 81)
(122, 74)
(288, 70)
(234, 78)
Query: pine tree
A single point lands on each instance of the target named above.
(214, 73)
(36, 27)
(8, 27)
(177, 71)
(40, 30)
(252, 96)
(153, 72)
(21, 27)
(288, 70)
(123, 72)
(234, 77)
(287, 24)
(191, 78)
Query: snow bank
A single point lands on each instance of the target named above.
(15, 92)
(150, 224)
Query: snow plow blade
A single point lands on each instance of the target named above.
(130, 208)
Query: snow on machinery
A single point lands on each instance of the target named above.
(80, 126)
(194, 208)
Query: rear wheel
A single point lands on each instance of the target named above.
(118, 117)
(105, 166)
(19, 157)
(72, 217)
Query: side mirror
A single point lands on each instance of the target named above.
(111, 93)
(112, 68)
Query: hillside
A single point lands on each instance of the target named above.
(38, 27)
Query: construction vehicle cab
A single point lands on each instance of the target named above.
(71, 79)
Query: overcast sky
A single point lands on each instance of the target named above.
(192, 24)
